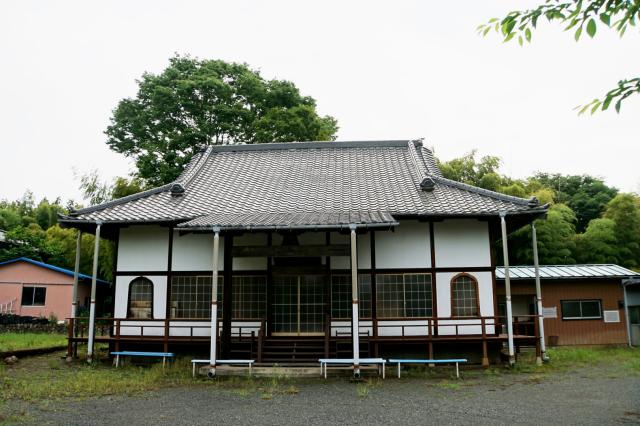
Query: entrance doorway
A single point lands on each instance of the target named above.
(299, 308)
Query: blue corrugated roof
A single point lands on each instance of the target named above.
(51, 267)
(567, 272)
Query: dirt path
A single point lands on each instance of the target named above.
(591, 396)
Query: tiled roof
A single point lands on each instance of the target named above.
(308, 177)
(567, 272)
(316, 220)
(52, 267)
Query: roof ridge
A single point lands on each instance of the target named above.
(184, 179)
(275, 146)
(122, 200)
(481, 191)
(419, 165)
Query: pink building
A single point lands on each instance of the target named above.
(32, 288)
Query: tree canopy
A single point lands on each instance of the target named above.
(578, 16)
(588, 221)
(195, 103)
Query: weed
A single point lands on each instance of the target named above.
(17, 341)
(362, 390)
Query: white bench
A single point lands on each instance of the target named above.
(248, 362)
(324, 362)
(428, 361)
(164, 355)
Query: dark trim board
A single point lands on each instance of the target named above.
(317, 270)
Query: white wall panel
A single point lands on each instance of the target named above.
(143, 248)
(407, 247)
(485, 292)
(159, 295)
(462, 243)
(363, 244)
(194, 252)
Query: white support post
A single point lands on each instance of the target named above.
(74, 297)
(507, 285)
(536, 268)
(355, 325)
(92, 310)
(214, 303)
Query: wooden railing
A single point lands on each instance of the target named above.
(448, 327)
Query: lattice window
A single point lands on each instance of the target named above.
(464, 296)
(191, 296)
(249, 296)
(404, 295)
(341, 296)
(140, 298)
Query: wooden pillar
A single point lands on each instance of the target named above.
(227, 296)
(540, 319)
(355, 329)
(507, 286)
(327, 299)
(92, 310)
(71, 349)
(374, 294)
(214, 303)
(269, 289)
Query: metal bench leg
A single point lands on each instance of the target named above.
(193, 370)
(117, 360)
(325, 371)
(457, 371)
(398, 370)
(164, 361)
(250, 366)
(383, 374)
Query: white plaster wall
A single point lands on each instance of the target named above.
(159, 295)
(485, 292)
(194, 252)
(462, 243)
(407, 247)
(143, 248)
(250, 263)
(363, 245)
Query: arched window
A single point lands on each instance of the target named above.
(140, 298)
(464, 296)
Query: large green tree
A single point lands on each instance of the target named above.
(624, 210)
(579, 16)
(586, 195)
(195, 103)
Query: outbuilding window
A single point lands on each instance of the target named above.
(581, 309)
(33, 296)
(464, 296)
(140, 298)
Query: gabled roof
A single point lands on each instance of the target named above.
(303, 179)
(51, 267)
(567, 272)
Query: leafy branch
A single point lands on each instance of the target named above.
(578, 16)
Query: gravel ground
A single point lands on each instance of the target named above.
(585, 397)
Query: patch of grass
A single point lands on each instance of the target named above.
(362, 389)
(445, 384)
(17, 341)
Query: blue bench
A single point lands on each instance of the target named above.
(248, 362)
(163, 355)
(429, 361)
(324, 362)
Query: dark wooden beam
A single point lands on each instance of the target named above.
(227, 296)
(291, 251)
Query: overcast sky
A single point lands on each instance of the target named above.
(401, 69)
